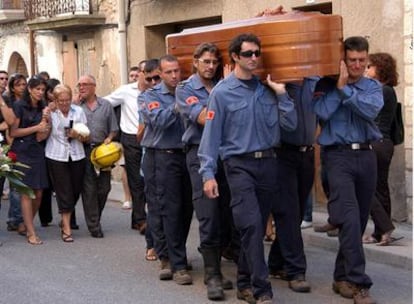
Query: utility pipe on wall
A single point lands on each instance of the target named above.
(123, 69)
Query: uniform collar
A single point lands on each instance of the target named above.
(234, 82)
(362, 82)
(164, 89)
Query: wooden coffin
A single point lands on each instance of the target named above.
(294, 45)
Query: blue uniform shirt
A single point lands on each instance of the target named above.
(242, 120)
(302, 96)
(163, 126)
(191, 97)
(347, 115)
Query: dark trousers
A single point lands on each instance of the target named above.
(170, 209)
(45, 209)
(295, 171)
(352, 180)
(96, 187)
(214, 232)
(133, 154)
(381, 203)
(67, 181)
(252, 184)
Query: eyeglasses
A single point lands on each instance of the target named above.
(209, 61)
(63, 101)
(250, 53)
(4, 78)
(153, 78)
(80, 85)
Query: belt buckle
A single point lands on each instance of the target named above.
(258, 154)
(355, 146)
(303, 148)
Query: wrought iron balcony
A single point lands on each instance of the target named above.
(51, 8)
(11, 10)
(61, 14)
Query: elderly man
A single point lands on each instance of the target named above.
(102, 123)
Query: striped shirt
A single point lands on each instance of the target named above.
(58, 146)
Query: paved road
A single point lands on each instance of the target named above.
(113, 270)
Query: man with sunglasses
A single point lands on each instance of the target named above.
(346, 108)
(126, 97)
(243, 124)
(213, 214)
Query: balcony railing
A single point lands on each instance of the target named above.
(35, 9)
(11, 4)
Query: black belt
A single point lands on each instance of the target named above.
(352, 147)
(290, 147)
(268, 153)
(169, 151)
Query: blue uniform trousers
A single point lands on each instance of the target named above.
(252, 184)
(208, 211)
(352, 179)
(168, 193)
(295, 177)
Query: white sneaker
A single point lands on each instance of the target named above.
(127, 205)
(305, 224)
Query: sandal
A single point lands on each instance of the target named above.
(150, 255)
(34, 240)
(67, 238)
(369, 239)
(389, 240)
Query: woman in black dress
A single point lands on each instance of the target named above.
(30, 128)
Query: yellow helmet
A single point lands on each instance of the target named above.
(105, 156)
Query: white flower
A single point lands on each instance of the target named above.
(1, 137)
(81, 129)
(5, 168)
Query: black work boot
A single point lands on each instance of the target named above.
(212, 273)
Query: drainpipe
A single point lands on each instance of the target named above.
(32, 53)
(123, 69)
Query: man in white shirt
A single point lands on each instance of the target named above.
(126, 96)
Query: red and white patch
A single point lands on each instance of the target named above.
(153, 105)
(191, 100)
(210, 115)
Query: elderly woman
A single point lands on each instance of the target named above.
(65, 156)
(29, 129)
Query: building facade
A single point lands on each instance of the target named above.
(69, 38)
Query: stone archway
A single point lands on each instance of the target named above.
(17, 64)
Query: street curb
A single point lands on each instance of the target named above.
(390, 255)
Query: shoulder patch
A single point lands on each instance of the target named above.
(191, 100)
(210, 115)
(153, 105)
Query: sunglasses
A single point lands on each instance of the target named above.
(153, 78)
(4, 78)
(249, 54)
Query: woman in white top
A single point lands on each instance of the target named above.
(65, 155)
